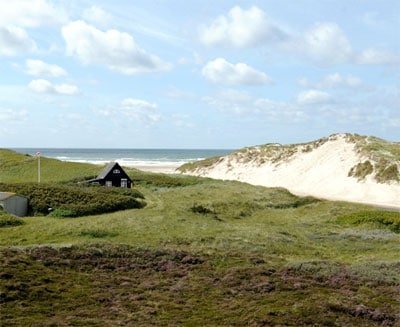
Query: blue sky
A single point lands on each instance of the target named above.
(196, 74)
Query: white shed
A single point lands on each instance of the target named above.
(14, 204)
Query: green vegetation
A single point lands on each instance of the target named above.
(386, 156)
(203, 252)
(20, 168)
(379, 219)
(73, 201)
(7, 220)
(208, 162)
(161, 180)
(361, 170)
(387, 173)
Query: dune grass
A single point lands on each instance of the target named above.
(19, 168)
(203, 252)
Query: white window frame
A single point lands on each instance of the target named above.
(116, 171)
(109, 183)
(124, 182)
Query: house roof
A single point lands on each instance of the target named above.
(106, 170)
(6, 195)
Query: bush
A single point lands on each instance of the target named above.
(7, 220)
(97, 233)
(73, 201)
(387, 174)
(388, 219)
(201, 209)
(361, 170)
(295, 202)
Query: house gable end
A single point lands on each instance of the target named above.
(110, 173)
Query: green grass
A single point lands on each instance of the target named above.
(204, 252)
(20, 168)
(380, 219)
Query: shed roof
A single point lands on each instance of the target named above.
(6, 195)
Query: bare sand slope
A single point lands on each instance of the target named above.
(321, 172)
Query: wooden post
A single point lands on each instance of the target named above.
(38, 156)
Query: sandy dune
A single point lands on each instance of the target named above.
(322, 172)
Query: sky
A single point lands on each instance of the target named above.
(196, 74)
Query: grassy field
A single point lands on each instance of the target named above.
(202, 252)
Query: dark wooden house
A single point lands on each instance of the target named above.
(112, 175)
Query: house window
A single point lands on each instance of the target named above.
(124, 182)
(116, 171)
(108, 183)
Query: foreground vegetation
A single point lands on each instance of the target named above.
(74, 200)
(204, 252)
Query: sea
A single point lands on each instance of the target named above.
(128, 157)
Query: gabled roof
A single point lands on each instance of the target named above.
(6, 195)
(107, 169)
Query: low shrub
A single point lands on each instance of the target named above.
(201, 209)
(361, 170)
(295, 202)
(389, 219)
(387, 174)
(7, 220)
(73, 201)
(97, 233)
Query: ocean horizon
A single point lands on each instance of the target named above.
(127, 157)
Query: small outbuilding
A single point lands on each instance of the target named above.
(112, 175)
(14, 204)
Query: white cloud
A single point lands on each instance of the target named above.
(45, 87)
(117, 50)
(9, 115)
(377, 57)
(15, 40)
(97, 15)
(235, 101)
(140, 110)
(334, 80)
(245, 105)
(241, 28)
(326, 43)
(312, 97)
(30, 13)
(42, 69)
(222, 71)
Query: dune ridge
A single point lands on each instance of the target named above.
(345, 167)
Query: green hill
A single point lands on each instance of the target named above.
(16, 168)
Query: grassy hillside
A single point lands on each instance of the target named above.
(204, 252)
(16, 167)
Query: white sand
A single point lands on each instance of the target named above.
(322, 173)
(165, 169)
